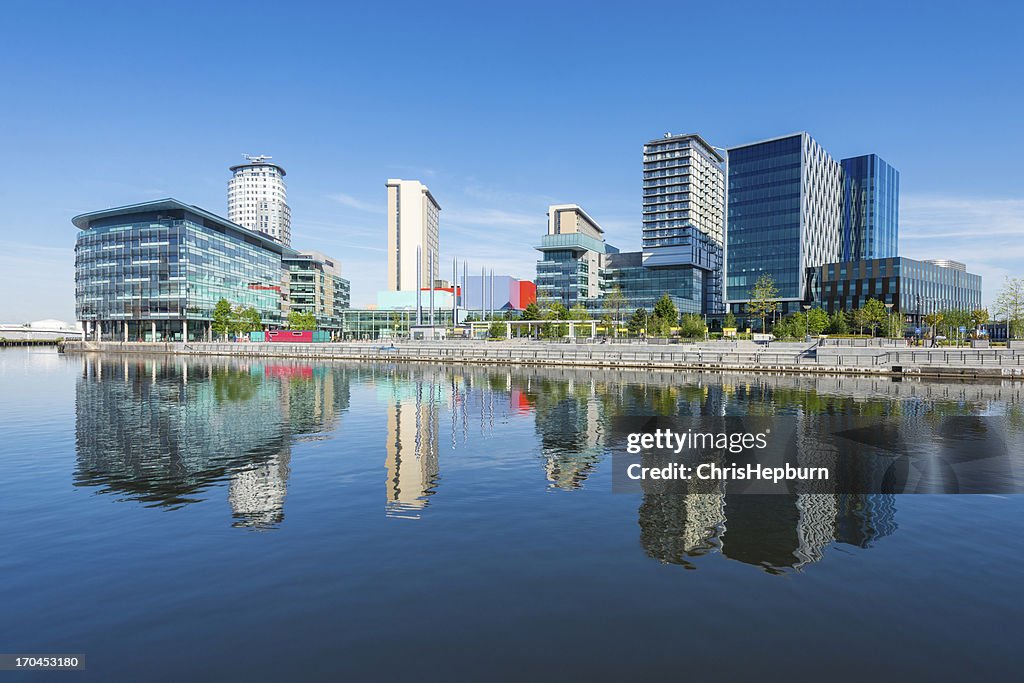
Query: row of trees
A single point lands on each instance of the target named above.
(659, 323)
(232, 320)
(875, 318)
(872, 318)
(229, 320)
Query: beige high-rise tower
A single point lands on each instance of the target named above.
(413, 225)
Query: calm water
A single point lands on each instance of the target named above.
(270, 521)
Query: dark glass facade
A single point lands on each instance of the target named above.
(764, 217)
(915, 288)
(155, 271)
(642, 285)
(871, 194)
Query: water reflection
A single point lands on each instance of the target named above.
(165, 431)
(773, 532)
(413, 415)
(162, 432)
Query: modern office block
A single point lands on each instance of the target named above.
(155, 271)
(579, 267)
(315, 285)
(569, 271)
(643, 286)
(785, 206)
(914, 288)
(871, 194)
(683, 212)
(258, 199)
(413, 230)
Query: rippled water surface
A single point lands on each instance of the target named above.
(265, 520)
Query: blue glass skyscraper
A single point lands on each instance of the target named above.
(785, 201)
(871, 194)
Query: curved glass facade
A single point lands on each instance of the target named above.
(140, 274)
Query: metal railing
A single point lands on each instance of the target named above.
(622, 355)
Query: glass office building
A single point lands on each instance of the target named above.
(315, 286)
(914, 288)
(642, 286)
(683, 216)
(784, 207)
(871, 194)
(368, 324)
(569, 271)
(155, 271)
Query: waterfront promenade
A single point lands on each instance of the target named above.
(835, 358)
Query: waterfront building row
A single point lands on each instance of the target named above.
(793, 208)
(913, 288)
(156, 270)
(792, 213)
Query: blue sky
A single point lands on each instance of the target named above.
(501, 109)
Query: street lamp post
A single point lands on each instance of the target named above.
(807, 322)
(888, 311)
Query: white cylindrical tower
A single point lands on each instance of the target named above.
(258, 199)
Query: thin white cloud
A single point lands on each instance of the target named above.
(987, 234)
(488, 217)
(358, 204)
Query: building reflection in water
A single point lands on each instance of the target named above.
(413, 422)
(162, 432)
(570, 430)
(773, 532)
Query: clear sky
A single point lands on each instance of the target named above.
(500, 108)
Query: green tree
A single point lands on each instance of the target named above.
(1010, 306)
(532, 312)
(875, 314)
(496, 330)
(729, 320)
(790, 327)
(764, 299)
(817, 321)
(894, 325)
(979, 317)
(860, 319)
(555, 311)
(578, 312)
(933, 320)
(223, 318)
(953, 320)
(301, 320)
(691, 326)
(249, 320)
(838, 323)
(615, 304)
(638, 322)
(664, 317)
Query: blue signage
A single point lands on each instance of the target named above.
(917, 330)
(962, 329)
